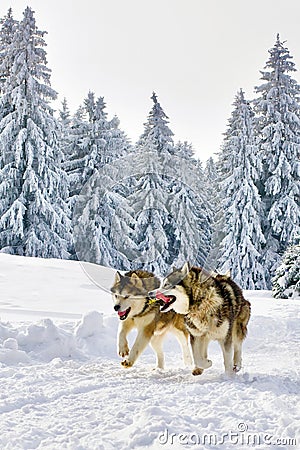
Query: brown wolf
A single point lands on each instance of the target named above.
(136, 310)
(214, 309)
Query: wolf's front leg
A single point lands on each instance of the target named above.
(124, 329)
(199, 346)
(141, 342)
(182, 337)
(156, 344)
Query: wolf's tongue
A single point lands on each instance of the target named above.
(161, 296)
(122, 313)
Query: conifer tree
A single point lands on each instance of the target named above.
(184, 150)
(243, 241)
(74, 160)
(64, 122)
(213, 193)
(286, 282)
(33, 214)
(157, 135)
(278, 123)
(171, 210)
(148, 199)
(8, 28)
(103, 226)
(192, 226)
(95, 141)
(211, 176)
(150, 194)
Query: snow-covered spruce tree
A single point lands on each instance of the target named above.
(151, 220)
(214, 195)
(154, 229)
(7, 31)
(157, 135)
(64, 122)
(87, 143)
(211, 176)
(33, 218)
(206, 214)
(66, 145)
(149, 195)
(105, 141)
(190, 211)
(286, 282)
(171, 217)
(117, 143)
(95, 141)
(183, 235)
(243, 241)
(184, 150)
(278, 124)
(225, 165)
(74, 158)
(102, 227)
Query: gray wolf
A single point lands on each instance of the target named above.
(214, 309)
(136, 310)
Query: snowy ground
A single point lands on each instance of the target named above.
(62, 386)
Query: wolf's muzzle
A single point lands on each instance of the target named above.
(117, 307)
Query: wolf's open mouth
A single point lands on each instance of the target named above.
(123, 314)
(167, 300)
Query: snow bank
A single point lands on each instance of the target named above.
(45, 341)
(10, 353)
(95, 339)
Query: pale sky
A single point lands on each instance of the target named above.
(195, 54)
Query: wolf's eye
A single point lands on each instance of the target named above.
(125, 296)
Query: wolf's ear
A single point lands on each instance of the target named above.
(118, 277)
(134, 276)
(227, 274)
(186, 268)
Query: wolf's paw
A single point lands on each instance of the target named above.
(123, 350)
(127, 364)
(236, 368)
(197, 371)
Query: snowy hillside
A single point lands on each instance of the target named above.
(62, 385)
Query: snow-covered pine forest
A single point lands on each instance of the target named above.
(73, 185)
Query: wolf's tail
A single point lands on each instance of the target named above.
(242, 320)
